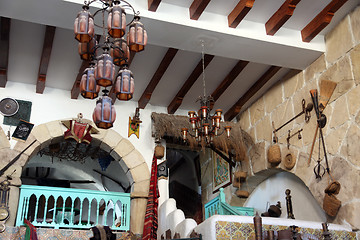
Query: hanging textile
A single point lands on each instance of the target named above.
(30, 233)
(151, 216)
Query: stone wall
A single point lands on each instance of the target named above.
(341, 64)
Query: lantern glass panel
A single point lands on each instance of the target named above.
(88, 87)
(104, 113)
(104, 70)
(120, 52)
(137, 36)
(116, 22)
(84, 26)
(124, 86)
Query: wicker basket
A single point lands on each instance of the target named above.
(333, 188)
(159, 151)
(242, 194)
(274, 154)
(289, 161)
(331, 204)
(240, 175)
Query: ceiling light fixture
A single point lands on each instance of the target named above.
(115, 50)
(204, 126)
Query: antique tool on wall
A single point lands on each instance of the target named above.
(321, 122)
(298, 133)
(4, 200)
(305, 110)
(326, 90)
(2, 171)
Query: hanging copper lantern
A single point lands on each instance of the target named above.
(120, 51)
(124, 85)
(104, 69)
(137, 36)
(88, 87)
(87, 50)
(84, 25)
(116, 21)
(104, 113)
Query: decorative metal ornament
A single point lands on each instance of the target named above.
(9, 107)
(134, 124)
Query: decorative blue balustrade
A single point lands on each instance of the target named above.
(73, 208)
(218, 206)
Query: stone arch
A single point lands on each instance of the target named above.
(121, 149)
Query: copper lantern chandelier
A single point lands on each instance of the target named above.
(204, 126)
(104, 57)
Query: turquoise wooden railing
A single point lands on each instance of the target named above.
(218, 206)
(73, 208)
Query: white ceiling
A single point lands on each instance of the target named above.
(170, 26)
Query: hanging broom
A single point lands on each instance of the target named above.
(327, 88)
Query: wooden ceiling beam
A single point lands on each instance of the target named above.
(237, 69)
(153, 5)
(45, 58)
(4, 49)
(176, 102)
(280, 16)
(197, 8)
(163, 66)
(321, 20)
(239, 12)
(235, 109)
(76, 86)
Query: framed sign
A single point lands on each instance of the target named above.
(221, 172)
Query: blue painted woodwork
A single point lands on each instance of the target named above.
(75, 208)
(218, 206)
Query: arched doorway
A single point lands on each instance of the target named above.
(123, 152)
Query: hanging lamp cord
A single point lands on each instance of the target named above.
(203, 66)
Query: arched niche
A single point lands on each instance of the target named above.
(272, 189)
(121, 149)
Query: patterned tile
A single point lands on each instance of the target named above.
(244, 231)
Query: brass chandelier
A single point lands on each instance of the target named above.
(114, 51)
(204, 126)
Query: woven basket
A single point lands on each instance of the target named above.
(236, 183)
(240, 175)
(333, 188)
(331, 205)
(242, 194)
(274, 154)
(159, 151)
(289, 161)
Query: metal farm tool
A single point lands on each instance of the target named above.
(305, 110)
